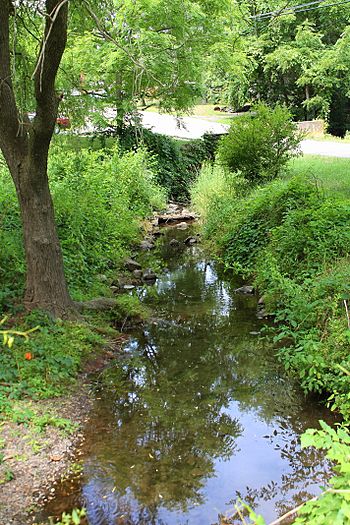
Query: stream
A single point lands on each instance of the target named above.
(197, 412)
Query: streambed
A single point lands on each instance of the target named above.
(197, 413)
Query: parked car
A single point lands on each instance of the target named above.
(63, 122)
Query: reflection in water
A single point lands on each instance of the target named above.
(198, 413)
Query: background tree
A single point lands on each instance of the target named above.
(295, 56)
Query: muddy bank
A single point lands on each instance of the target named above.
(36, 457)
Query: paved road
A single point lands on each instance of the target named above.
(193, 128)
(183, 128)
(326, 148)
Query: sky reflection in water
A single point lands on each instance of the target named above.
(199, 413)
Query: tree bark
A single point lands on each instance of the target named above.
(46, 286)
(25, 147)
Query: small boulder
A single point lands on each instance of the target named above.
(191, 240)
(128, 287)
(146, 245)
(245, 290)
(182, 226)
(137, 274)
(132, 265)
(149, 276)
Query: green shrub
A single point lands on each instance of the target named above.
(177, 162)
(100, 198)
(260, 144)
(211, 184)
(310, 237)
(333, 506)
(252, 220)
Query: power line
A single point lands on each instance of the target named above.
(296, 9)
(287, 8)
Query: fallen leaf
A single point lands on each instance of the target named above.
(56, 458)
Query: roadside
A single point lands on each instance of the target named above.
(196, 126)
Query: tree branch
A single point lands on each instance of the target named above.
(9, 121)
(49, 59)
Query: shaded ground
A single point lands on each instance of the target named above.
(35, 457)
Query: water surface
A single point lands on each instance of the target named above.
(197, 413)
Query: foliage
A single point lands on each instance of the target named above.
(122, 56)
(293, 238)
(243, 225)
(100, 197)
(74, 518)
(333, 506)
(211, 185)
(260, 144)
(177, 163)
(299, 59)
(47, 363)
(130, 307)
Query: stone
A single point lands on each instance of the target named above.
(182, 226)
(132, 265)
(137, 274)
(146, 245)
(245, 290)
(149, 275)
(191, 240)
(261, 314)
(128, 286)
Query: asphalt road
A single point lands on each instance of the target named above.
(195, 127)
(182, 128)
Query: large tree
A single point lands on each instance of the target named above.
(25, 146)
(151, 46)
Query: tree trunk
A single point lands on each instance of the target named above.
(46, 286)
(25, 146)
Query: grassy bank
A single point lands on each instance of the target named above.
(291, 237)
(332, 174)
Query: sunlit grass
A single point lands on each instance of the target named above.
(332, 173)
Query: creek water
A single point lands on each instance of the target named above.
(197, 412)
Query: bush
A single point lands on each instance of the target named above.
(177, 162)
(260, 144)
(248, 223)
(100, 198)
(294, 242)
(211, 184)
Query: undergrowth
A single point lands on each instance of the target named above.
(101, 198)
(292, 239)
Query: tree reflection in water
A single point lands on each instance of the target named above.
(187, 409)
